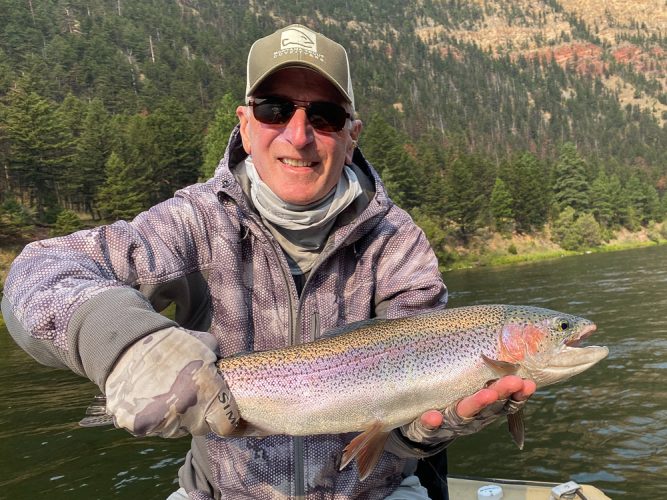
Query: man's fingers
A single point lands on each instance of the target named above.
(432, 419)
(504, 388)
(510, 386)
(507, 386)
(529, 388)
(472, 405)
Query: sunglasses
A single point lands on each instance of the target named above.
(322, 115)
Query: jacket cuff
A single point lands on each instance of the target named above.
(402, 447)
(104, 326)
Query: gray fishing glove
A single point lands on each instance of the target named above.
(167, 384)
(414, 439)
(455, 426)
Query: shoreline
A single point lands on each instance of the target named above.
(491, 261)
(535, 251)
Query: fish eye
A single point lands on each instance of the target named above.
(563, 324)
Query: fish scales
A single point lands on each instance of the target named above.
(391, 371)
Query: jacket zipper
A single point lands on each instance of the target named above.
(295, 338)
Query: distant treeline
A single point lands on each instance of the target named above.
(109, 106)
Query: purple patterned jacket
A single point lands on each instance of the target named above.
(78, 301)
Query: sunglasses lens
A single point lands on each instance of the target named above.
(327, 116)
(324, 116)
(273, 111)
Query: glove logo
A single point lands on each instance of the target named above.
(225, 398)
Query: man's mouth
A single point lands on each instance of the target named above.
(296, 163)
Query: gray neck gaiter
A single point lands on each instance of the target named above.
(302, 229)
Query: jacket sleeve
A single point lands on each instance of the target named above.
(408, 279)
(76, 302)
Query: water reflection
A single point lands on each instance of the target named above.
(607, 426)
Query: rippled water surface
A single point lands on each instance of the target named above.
(607, 426)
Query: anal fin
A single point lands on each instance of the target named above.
(367, 448)
(516, 427)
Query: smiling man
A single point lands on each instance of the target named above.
(293, 236)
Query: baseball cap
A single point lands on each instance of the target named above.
(296, 45)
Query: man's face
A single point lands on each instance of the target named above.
(300, 164)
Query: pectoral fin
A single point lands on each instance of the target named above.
(502, 368)
(366, 448)
(516, 427)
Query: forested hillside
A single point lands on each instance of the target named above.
(479, 114)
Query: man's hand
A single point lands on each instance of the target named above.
(469, 415)
(167, 384)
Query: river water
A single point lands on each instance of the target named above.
(607, 426)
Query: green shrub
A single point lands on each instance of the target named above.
(15, 220)
(574, 232)
(67, 222)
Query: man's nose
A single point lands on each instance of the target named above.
(298, 131)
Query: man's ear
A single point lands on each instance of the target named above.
(355, 132)
(244, 127)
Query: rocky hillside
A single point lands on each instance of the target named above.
(619, 40)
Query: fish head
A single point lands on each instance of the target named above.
(545, 344)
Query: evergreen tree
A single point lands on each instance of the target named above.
(643, 200)
(93, 148)
(525, 180)
(217, 135)
(40, 150)
(177, 150)
(386, 149)
(466, 193)
(500, 205)
(601, 196)
(570, 184)
(67, 222)
(123, 195)
(431, 167)
(15, 220)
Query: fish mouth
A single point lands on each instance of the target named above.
(586, 332)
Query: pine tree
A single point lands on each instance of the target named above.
(525, 180)
(40, 150)
(643, 199)
(570, 184)
(122, 196)
(466, 193)
(500, 205)
(176, 148)
(217, 135)
(93, 148)
(386, 149)
(601, 199)
(67, 222)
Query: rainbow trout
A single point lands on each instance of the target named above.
(374, 376)
(377, 375)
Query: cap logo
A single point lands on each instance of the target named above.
(295, 37)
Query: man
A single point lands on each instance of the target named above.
(293, 236)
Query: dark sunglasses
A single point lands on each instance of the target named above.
(322, 115)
